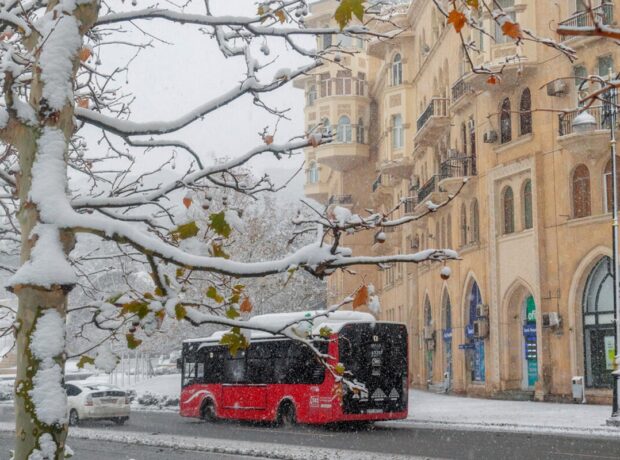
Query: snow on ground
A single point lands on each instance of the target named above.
(227, 446)
(427, 408)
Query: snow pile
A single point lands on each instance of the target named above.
(47, 448)
(47, 342)
(105, 359)
(46, 253)
(59, 43)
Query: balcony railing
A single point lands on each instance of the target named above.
(345, 86)
(350, 134)
(604, 13)
(598, 112)
(429, 187)
(458, 167)
(340, 199)
(459, 89)
(438, 107)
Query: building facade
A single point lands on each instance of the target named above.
(530, 303)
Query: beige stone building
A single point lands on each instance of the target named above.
(529, 305)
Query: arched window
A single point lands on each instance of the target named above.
(475, 222)
(313, 173)
(528, 219)
(398, 134)
(475, 353)
(472, 143)
(581, 191)
(360, 136)
(508, 202)
(397, 70)
(598, 329)
(311, 95)
(505, 123)
(344, 133)
(609, 198)
(463, 224)
(525, 109)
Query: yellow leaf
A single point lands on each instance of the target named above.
(85, 53)
(457, 19)
(473, 3)
(281, 16)
(361, 297)
(512, 30)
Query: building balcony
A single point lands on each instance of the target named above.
(344, 153)
(317, 191)
(434, 120)
(507, 64)
(453, 170)
(400, 167)
(461, 92)
(431, 191)
(603, 13)
(341, 200)
(592, 139)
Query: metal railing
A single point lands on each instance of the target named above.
(458, 167)
(340, 199)
(376, 183)
(438, 107)
(566, 119)
(429, 187)
(350, 134)
(459, 89)
(604, 13)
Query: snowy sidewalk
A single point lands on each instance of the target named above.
(431, 409)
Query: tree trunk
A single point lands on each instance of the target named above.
(32, 432)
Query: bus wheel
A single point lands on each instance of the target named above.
(286, 415)
(208, 411)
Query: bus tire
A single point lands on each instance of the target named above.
(207, 411)
(286, 415)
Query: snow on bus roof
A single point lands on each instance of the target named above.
(274, 321)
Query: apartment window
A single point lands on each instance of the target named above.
(508, 203)
(325, 85)
(327, 40)
(475, 222)
(505, 123)
(580, 73)
(360, 84)
(397, 70)
(344, 133)
(525, 112)
(464, 136)
(581, 191)
(463, 224)
(343, 82)
(608, 180)
(472, 141)
(327, 127)
(605, 66)
(508, 7)
(359, 132)
(398, 134)
(311, 95)
(449, 231)
(313, 173)
(528, 220)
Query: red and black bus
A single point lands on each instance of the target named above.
(281, 380)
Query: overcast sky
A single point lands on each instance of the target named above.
(168, 80)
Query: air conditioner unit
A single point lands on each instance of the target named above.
(557, 88)
(482, 310)
(490, 136)
(551, 319)
(481, 328)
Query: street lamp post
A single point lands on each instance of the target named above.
(612, 112)
(583, 123)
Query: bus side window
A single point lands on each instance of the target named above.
(260, 368)
(280, 365)
(234, 368)
(302, 365)
(213, 362)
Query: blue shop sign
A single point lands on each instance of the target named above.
(469, 331)
(447, 334)
(467, 346)
(529, 329)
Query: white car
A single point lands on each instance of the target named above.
(96, 401)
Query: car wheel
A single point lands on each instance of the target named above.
(286, 415)
(74, 418)
(119, 420)
(208, 411)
